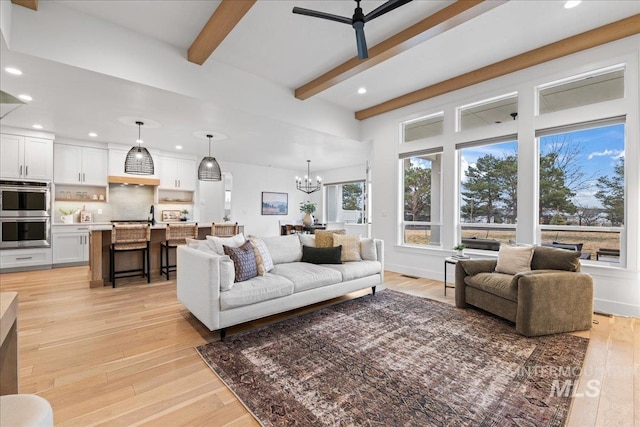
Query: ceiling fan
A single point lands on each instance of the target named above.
(357, 21)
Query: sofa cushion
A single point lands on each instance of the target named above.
(263, 257)
(350, 247)
(368, 250)
(324, 238)
(356, 270)
(227, 273)
(284, 248)
(258, 289)
(502, 285)
(307, 276)
(233, 242)
(555, 259)
(322, 255)
(514, 259)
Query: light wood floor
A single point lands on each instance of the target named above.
(126, 356)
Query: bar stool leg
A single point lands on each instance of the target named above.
(112, 276)
(148, 264)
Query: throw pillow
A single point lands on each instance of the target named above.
(514, 259)
(324, 238)
(308, 239)
(227, 273)
(322, 255)
(263, 257)
(233, 242)
(368, 251)
(244, 261)
(283, 248)
(350, 247)
(201, 245)
(555, 259)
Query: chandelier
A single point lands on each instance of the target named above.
(209, 169)
(139, 160)
(305, 184)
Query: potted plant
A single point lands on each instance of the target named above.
(308, 208)
(184, 213)
(459, 248)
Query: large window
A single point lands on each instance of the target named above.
(424, 127)
(582, 188)
(346, 202)
(421, 197)
(488, 112)
(488, 193)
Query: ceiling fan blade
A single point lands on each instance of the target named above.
(361, 42)
(323, 15)
(384, 8)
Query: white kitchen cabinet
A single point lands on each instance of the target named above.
(25, 158)
(177, 174)
(70, 245)
(80, 165)
(25, 259)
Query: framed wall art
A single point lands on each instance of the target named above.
(275, 203)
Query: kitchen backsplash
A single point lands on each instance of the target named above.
(125, 202)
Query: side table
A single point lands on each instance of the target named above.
(453, 261)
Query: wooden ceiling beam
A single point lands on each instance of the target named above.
(607, 33)
(223, 20)
(444, 20)
(29, 4)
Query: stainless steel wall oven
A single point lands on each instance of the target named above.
(25, 214)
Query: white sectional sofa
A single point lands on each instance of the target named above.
(205, 281)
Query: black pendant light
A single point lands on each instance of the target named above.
(209, 169)
(139, 160)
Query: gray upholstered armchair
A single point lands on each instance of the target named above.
(553, 297)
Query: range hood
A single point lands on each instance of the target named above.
(133, 180)
(8, 103)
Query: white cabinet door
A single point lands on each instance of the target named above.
(186, 173)
(94, 166)
(67, 163)
(168, 173)
(38, 158)
(11, 156)
(70, 248)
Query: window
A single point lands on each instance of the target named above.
(346, 202)
(581, 188)
(586, 89)
(488, 112)
(421, 197)
(424, 127)
(488, 192)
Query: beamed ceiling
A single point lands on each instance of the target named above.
(281, 87)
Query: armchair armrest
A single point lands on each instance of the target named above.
(554, 302)
(466, 268)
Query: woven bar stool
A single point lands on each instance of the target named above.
(128, 238)
(224, 230)
(175, 235)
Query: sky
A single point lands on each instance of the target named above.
(599, 151)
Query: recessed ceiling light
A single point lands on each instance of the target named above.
(93, 134)
(25, 97)
(178, 147)
(12, 70)
(362, 90)
(37, 126)
(571, 4)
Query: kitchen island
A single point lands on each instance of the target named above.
(100, 240)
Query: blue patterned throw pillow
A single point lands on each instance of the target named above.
(244, 261)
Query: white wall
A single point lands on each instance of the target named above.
(617, 290)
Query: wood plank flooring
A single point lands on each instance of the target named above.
(125, 356)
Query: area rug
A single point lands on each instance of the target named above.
(399, 360)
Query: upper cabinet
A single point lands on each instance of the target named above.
(177, 174)
(80, 165)
(26, 158)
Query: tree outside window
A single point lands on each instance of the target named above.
(421, 199)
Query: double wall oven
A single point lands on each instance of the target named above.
(25, 214)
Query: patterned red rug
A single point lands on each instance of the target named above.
(399, 360)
